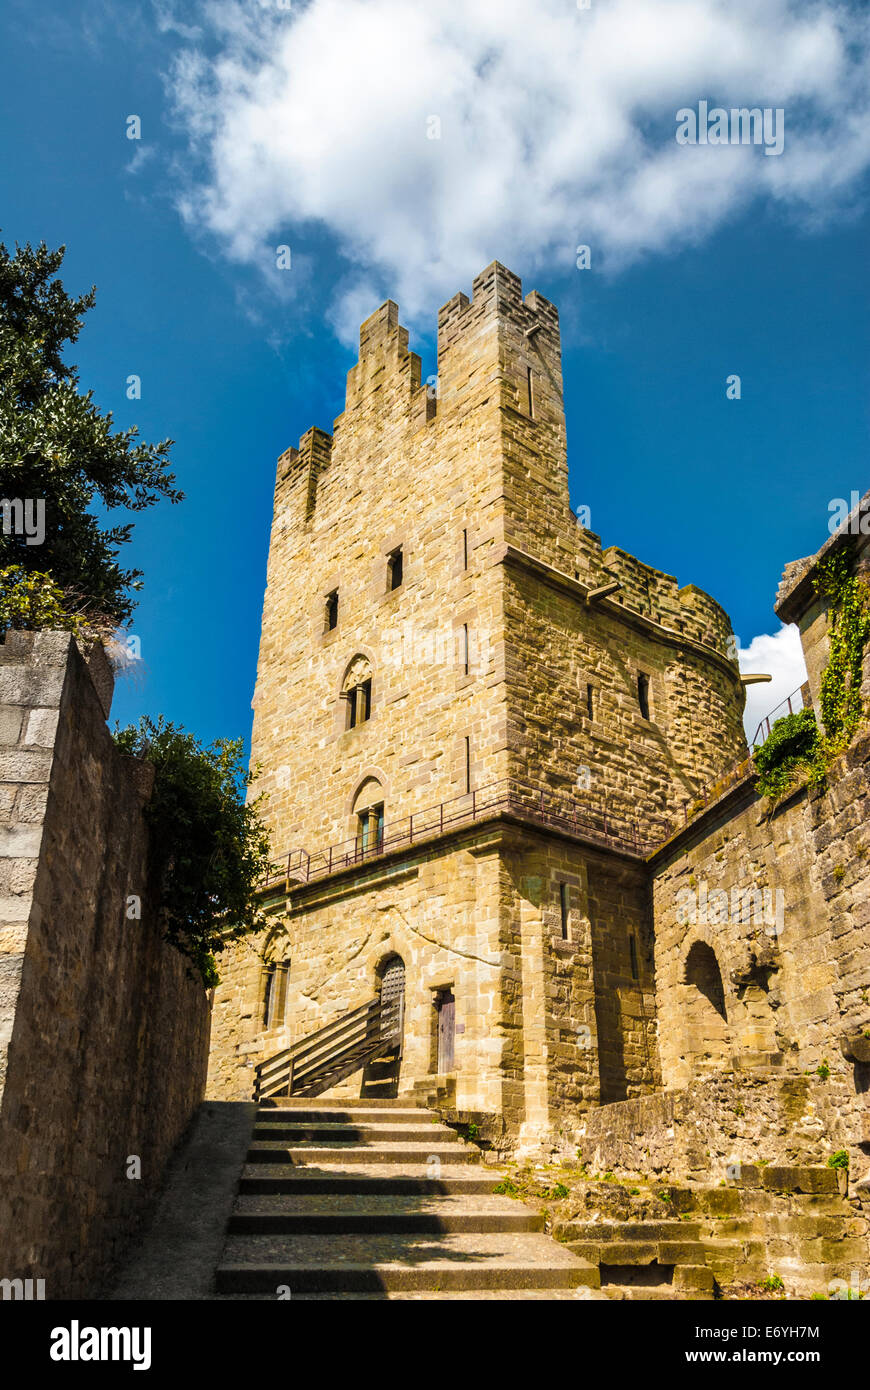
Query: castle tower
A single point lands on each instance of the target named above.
(471, 723)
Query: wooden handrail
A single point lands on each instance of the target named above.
(327, 1028)
(345, 1045)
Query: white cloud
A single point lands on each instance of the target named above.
(557, 128)
(779, 655)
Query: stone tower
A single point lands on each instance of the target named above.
(471, 722)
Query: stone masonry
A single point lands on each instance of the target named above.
(515, 654)
(103, 1034)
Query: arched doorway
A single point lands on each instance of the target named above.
(392, 981)
(708, 1035)
(381, 1074)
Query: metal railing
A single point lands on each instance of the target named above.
(627, 828)
(790, 705)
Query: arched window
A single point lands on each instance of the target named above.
(356, 690)
(368, 810)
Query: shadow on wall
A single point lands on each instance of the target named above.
(107, 1032)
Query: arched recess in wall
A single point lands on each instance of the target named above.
(708, 1036)
(367, 816)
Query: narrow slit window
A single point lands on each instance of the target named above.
(530, 390)
(395, 569)
(465, 549)
(465, 666)
(643, 695)
(332, 611)
(565, 908)
(632, 951)
(467, 750)
(280, 1010)
(268, 996)
(590, 701)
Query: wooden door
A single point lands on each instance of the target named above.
(393, 983)
(446, 1032)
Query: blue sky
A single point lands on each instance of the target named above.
(758, 269)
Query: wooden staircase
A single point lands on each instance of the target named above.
(326, 1057)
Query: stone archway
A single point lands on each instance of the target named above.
(708, 1036)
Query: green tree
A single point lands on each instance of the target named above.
(55, 445)
(209, 850)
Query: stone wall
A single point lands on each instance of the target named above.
(552, 1014)
(773, 907)
(644, 768)
(103, 1035)
(718, 1123)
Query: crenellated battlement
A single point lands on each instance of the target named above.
(659, 596)
(497, 293)
(299, 471)
(496, 405)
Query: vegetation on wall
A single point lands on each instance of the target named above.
(209, 850)
(797, 749)
(33, 601)
(790, 747)
(848, 600)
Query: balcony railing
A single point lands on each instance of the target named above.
(625, 827)
(790, 705)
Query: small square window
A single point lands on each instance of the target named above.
(395, 568)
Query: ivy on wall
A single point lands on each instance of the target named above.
(848, 600)
(797, 749)
(791, 746)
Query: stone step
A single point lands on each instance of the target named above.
(371, 1113)
(641, 1252)
(263, 1152)
(380, 1263)
(644, 1293)
(354, 1134)
(697, 1280)
(340, 1103)
(369, 1179)
(601, 1231)
(335, 1214)
(582, 1291)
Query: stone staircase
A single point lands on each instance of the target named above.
(362, 1199)
(793, 1222)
